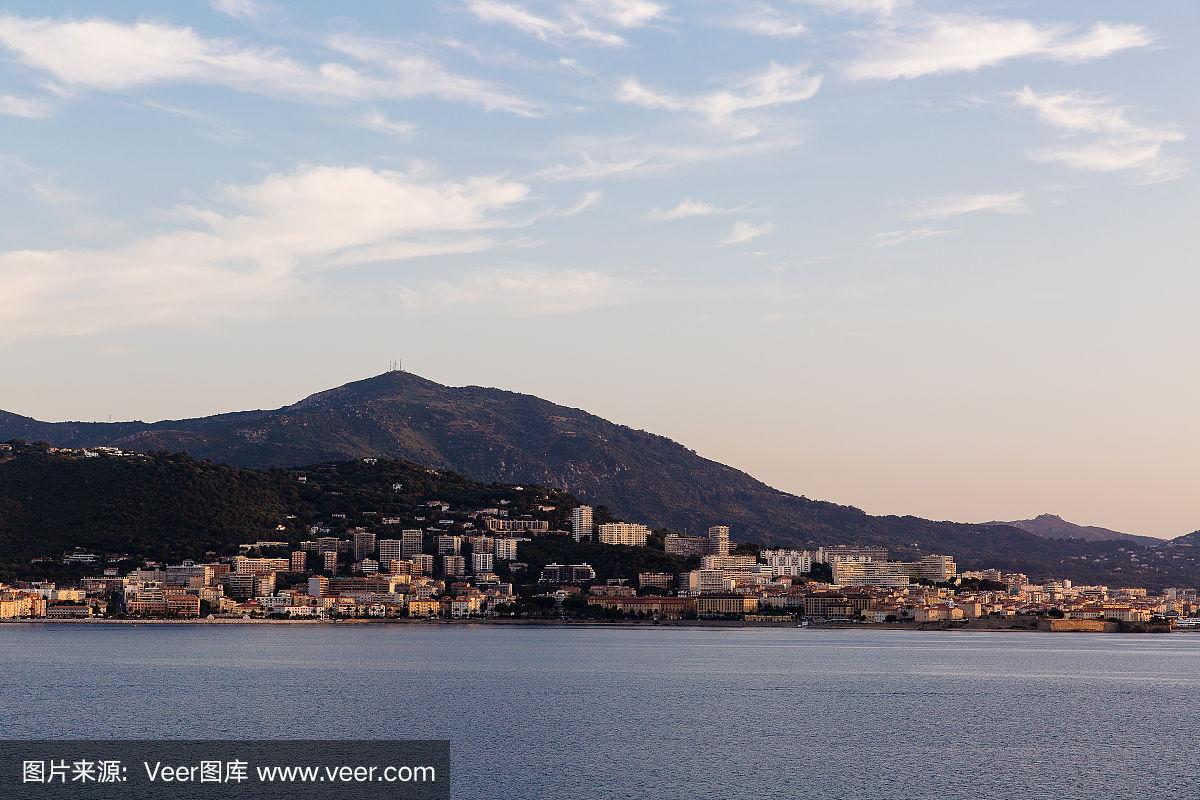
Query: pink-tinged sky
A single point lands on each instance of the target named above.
(924, 258)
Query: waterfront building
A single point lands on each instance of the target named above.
(14, 605)
(664, 607)
(76, 611)
(834, 605)
(709, 606)
(424, 608)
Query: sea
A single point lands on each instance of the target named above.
(648, 712)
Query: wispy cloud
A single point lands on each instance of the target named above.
(893, 238)
(746, 231)
(39, 184)
(1100, 137)
(768, 21)
(687, 207)
(98, 54)
(375, 120)
(589, 200)
(517, 292)
(777, 85)
(953, 205)
(589, 21)
(238, 9)
(26, 107)
(208, 126)
(624, 13)
(255, 248)
(595, 158)
(883, 8)
(965, 43)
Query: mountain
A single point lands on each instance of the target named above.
(496, 435)
(1049, 526)
(493, 435)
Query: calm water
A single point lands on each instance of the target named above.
(650, 713)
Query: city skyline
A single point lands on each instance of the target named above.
(920, 258)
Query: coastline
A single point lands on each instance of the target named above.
(626, 624)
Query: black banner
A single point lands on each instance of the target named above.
(194, 770)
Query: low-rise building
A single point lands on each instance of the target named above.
(656, 580)
(716, 605)
(664, 607)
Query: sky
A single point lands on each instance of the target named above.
(931, 258)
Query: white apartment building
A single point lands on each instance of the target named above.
(516, 525)
(412, 542)
(708, 581)
(364, 545)
(827, 555)
(728, 562)
(506, 549)
(482, 562)
(629, 533)
(787, 562)
(581, 524)
(390, 550)
(718, 540)
(244, 565)
(863, 571)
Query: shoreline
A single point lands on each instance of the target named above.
(707, 624)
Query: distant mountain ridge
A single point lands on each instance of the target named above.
(506, 437)
(1051, 526)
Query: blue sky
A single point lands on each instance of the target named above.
(922, 257)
